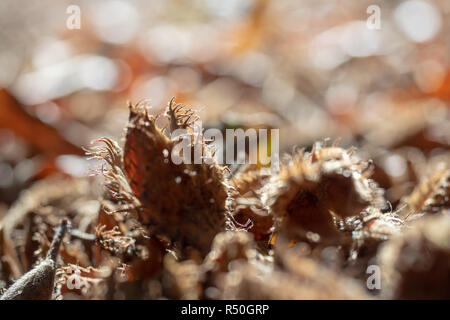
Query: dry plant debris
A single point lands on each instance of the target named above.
(367, 183)
(197, 231)
(38, 283)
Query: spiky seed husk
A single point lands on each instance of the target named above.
(316, 190)
(185, 202)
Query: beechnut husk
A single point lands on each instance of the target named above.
(310, 229)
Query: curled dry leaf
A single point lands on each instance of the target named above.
(38, 134)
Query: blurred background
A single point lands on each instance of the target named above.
(312, 68)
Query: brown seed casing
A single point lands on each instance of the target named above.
(315, 190)
(185, 202)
